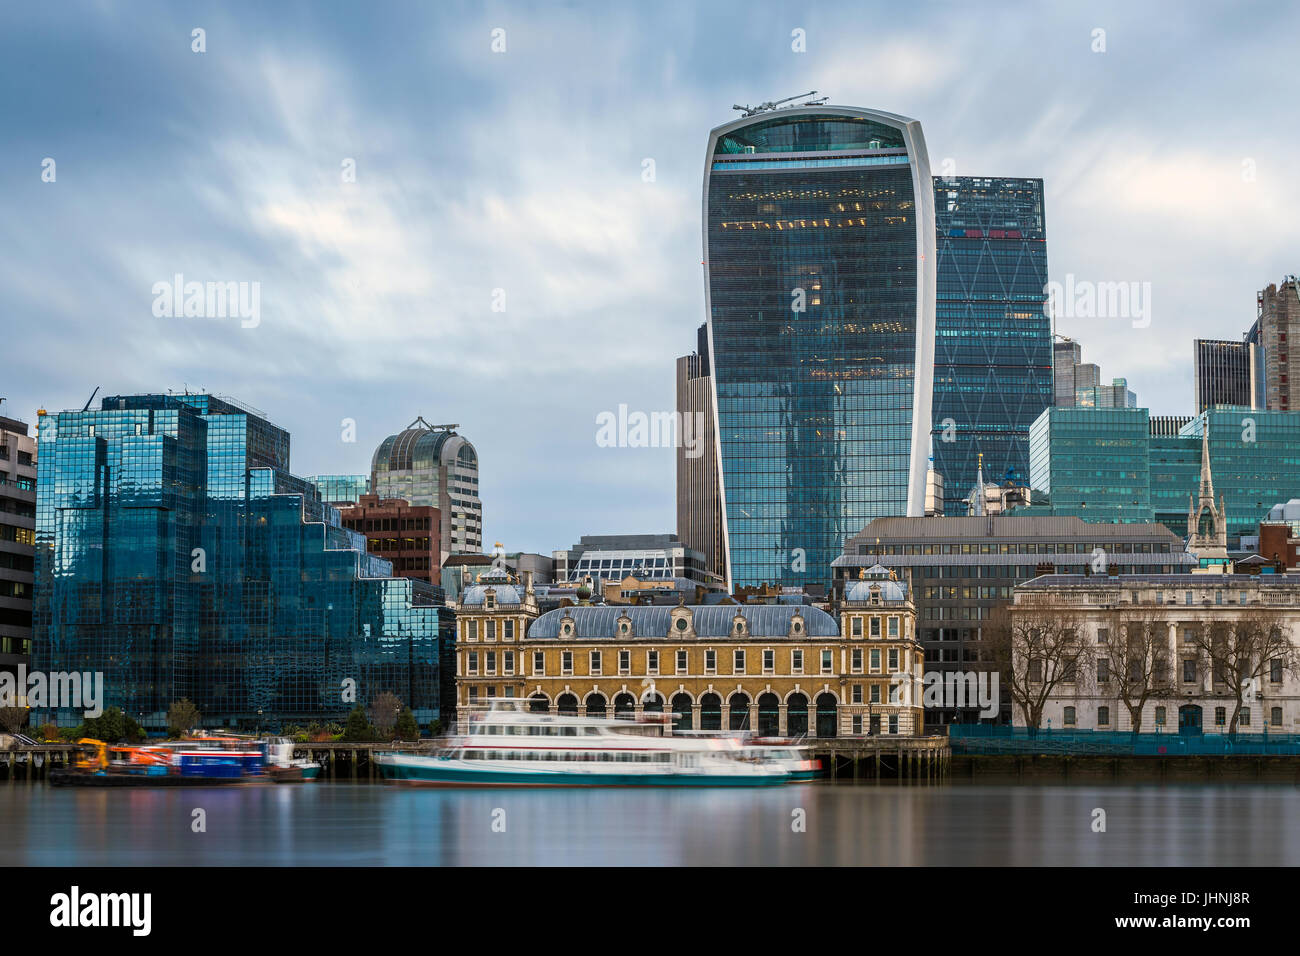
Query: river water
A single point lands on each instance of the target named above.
(822, 823)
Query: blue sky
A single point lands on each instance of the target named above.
(522, 171)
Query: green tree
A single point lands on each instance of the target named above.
(435, 728)
(358, 729)
(111, 726)
(406, 727)
(182, 716)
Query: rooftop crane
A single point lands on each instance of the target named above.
(771, 105)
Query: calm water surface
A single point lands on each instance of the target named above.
(356, 824)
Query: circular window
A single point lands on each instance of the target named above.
(797, 627)
(681, 624)
(568, 629)
(623, 628)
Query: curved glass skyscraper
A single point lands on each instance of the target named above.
(819, 257)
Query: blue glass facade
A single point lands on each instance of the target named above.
(1103, 464)
(178, 555)
(993, 338)
(819, 261)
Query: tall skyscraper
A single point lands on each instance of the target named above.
(1279, 326)
(432, 466)
(177, 554)
(1225, 373)
(699, 504)
(1067, 355)
(993, 343)
(819, 263)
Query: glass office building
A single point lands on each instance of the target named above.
(341, 489)
(1105, 464)
(819, 281)
(176, 554)
(1092, 463)
(993, 338)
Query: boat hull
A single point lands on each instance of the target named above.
(449, 773)
(74, 778)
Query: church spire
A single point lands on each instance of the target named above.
(1207, 481)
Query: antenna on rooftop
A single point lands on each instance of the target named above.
(775, 104)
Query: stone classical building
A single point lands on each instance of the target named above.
(779, 669)
(492, 618)
(1147, 638)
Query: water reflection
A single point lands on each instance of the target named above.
(842, 824)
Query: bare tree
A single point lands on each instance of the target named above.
(1133, 660)
(383, 712)
(1038, 651)
(12, 719)
(1241, 650)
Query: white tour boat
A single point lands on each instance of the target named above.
(509, 746)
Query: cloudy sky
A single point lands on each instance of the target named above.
(1169, 158)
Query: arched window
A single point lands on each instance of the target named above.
(827, 715)
(738, 711)
(538, 704)
(796, 715)
(710, 712)
(769, 715)
(567, 704)
(682, 712)
(595, 705)
(624, 704)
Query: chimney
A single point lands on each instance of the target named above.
(528, 581)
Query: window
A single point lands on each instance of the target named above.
(652, 662)
(1276, 717)
(856, 658)
(857, 721)
(1069, 716)
(566, 662)
(472, 666)
(624, 662)
(508, 630)
(710, 661)
(769, 661)
(1103, 670)
(1035, 671)
(875, 627)
(681, 662)
(738, 661)
(489, 630)
(827, 661)
(796, 661)
(1244, 718)
(893, 627)
(1160, 716)
(893, 659)
(857, 627)
(1189, 671)
(1220, 716)
(491, 662)
(1103, 635)
(893, 723)
(473, 630)
(595, 662)
(1103, 716)
(539, 662)
(1275, 670)
(857, 693)
(875, 660)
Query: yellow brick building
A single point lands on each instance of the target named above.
(780, 669)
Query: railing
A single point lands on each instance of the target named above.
(988, 739)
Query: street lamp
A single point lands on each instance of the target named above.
(259, 721)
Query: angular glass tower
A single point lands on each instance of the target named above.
(993, 342)
(819, 262)
(177, 554)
